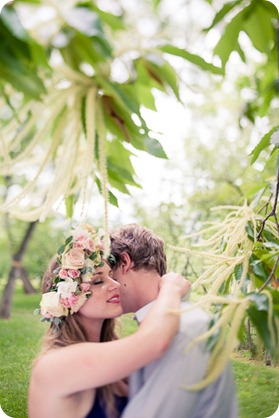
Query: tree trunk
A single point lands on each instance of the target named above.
(27, 285)
(16, 270)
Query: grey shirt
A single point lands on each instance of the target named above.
(156, 391)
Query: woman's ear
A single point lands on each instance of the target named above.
(126, 263)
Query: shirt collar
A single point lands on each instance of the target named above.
(142, 312)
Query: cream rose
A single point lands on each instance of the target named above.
(90, 264)
(50, 304)
(73, 259)
(87, 277)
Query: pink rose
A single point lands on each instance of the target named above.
(70, 301)
(73, 259)
(73, 273)
(90, 245)
(84, 287)
(82, 298)
(63, 273)
(84, 242)
(101, 246)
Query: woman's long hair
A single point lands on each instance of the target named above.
(71, 331)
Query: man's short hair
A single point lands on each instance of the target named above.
(144, 247)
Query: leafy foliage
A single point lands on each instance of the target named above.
(69, 114)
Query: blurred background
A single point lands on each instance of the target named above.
(152, 112)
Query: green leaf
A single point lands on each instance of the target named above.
(259, 26)
(260, 300)
(194, 59)
(13, 24)
(250, 231)
(115, 22)
(258, 267)
(146, 97)
(258, 314)
(212, 340)
(223, 12)
(117, 182)
(23, 80)
(113, 199)
(256, 192)
(121, 175)
(119, 156)
(17, 66)
(61, 249)
(269, 236)
(153, 147)
(38, 54)
(68, 240)
(121, 97)
(162, 71)
(229, 39)
(264, 143)
(259, 318)
(238, 272)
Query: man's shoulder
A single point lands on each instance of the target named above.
(193, 319)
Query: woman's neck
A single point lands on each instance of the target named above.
(92, 328)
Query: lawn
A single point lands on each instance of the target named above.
(257, 384)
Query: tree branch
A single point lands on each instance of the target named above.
(270, 276)
(273, 211)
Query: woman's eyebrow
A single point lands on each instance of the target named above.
(99, 273)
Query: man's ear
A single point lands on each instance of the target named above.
(126, 263)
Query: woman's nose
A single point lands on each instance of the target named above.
(113, 284)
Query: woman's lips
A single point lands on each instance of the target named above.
(114, 299)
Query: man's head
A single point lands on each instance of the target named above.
(140, 262)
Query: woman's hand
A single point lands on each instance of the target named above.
(176, 280)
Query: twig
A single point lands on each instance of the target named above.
(273, 211)
(270, 276)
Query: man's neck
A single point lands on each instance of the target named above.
(148, 287)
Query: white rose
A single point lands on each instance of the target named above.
(65, 289)
(50, 304)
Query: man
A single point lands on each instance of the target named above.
(158, 390)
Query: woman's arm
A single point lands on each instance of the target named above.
(89, 365)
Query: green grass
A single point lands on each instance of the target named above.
(257, 388)
(257, 384)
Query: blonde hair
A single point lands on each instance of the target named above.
(71, 331)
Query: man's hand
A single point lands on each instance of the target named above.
(175, 279)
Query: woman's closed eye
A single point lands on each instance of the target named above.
(97, 279)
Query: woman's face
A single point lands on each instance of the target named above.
(104, 301)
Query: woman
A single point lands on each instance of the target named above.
(75, 376)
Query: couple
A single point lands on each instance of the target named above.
(75, 376)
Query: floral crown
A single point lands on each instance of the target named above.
(77, 259)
